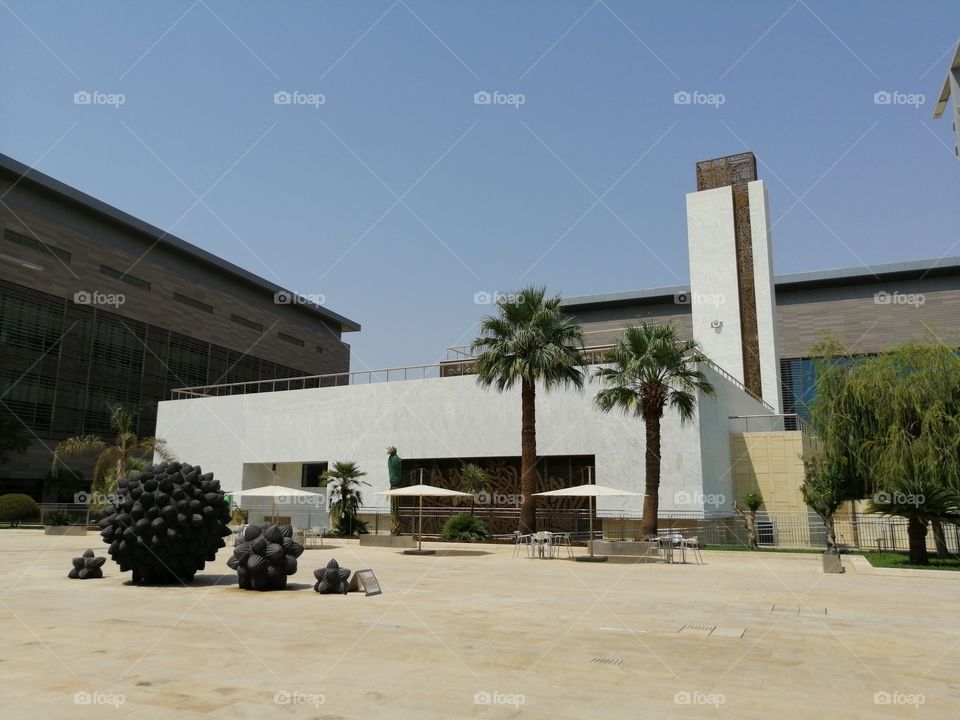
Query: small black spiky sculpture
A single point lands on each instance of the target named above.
(265, 556)
(87, 567)
(332, 579)
(167, 522)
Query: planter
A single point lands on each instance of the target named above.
(389, 541)
(626, 548)
(832, 563)
(65, 530)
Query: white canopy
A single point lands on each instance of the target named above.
(422, 490)
(590, 491)
(271, 491)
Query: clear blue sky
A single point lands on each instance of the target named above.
(501, 196)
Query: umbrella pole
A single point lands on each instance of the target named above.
(420, 526)
(591, 527)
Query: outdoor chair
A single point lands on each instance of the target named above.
(562, 539)
(541, 544)
(693, 544)
(519, 540)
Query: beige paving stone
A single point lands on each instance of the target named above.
(477, 634)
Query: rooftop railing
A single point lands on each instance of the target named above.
(449, 368)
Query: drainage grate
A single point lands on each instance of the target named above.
(607, 661)
(661, 621)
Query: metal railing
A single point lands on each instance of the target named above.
(766, 423)
(360, 377)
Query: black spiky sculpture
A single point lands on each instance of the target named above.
(167, 522)
(87, 567)
(332, 579)
(265, 556)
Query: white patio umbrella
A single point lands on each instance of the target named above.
(591, 491)
(273, 491)
(421, 491)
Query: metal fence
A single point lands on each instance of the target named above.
(774, 529)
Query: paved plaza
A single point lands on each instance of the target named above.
(475, 633)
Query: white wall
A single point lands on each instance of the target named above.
(434, 418)
(765, 294)
(714, 294)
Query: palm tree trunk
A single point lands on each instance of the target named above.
(528, 456)
(651, 503)
(917, 534)
(940, 539)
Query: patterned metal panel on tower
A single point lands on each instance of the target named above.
(737, 171)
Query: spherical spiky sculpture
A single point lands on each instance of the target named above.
(265, 556)
(87, 567)
(166, 523)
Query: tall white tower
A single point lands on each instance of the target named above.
(732, 297)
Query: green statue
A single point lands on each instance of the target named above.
(393, 472)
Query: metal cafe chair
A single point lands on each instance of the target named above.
(519, 541)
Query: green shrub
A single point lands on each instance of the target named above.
(465, 528)
(57, 518)
(16, 508)
(350, 527)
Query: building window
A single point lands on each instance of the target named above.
(291, 339)
(34, 244)
(311, 475)
(246, 323)
(129, 279)
(193, 303)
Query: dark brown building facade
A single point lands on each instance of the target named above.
(98, 307)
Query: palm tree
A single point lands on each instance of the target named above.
(345, 497)
(530, 340)
(650, 368)
(114, 462)
(474, 480)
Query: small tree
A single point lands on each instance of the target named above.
(114, 462)
(474, 480)
(824, 490)
(752, 501)
(16, 508)
(345, 497)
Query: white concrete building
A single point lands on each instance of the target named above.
(283, 431)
